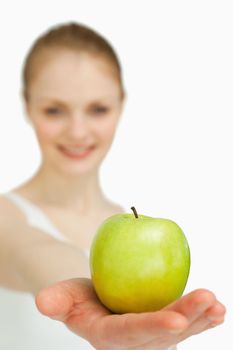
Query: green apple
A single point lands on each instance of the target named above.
(139, 263)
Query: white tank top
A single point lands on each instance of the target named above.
(22, 327)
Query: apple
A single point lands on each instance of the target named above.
(139, 263)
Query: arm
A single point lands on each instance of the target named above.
(31, 260)
(40, 262)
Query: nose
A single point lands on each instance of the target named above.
(78, 127)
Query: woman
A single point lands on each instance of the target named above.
(74, 94)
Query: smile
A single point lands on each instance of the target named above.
(76, 152)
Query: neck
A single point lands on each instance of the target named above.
(81, 192)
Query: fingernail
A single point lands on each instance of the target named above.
(211, 318)
(215, 321)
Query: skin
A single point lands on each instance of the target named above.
(74, 302)
(86, 112)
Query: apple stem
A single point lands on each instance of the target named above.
(135, 212)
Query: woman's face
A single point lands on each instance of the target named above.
(74, 105)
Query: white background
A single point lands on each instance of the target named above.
(173, 150)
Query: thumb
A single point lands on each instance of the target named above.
(55, 301)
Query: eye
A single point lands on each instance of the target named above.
(99, 110)
(53, 111)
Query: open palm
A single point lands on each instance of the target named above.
(75, 303)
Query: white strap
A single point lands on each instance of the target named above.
(35, 215)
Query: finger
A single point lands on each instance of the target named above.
(194, 304)
(73, 302)
(131, 329)
(54, 301)
(57, 300)
(216, 314)
(213, 317)
(217, 310)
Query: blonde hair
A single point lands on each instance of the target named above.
(71, 36)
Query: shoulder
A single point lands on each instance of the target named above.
(119, 209)
(114, 208)
(10, 214)
(14, 227)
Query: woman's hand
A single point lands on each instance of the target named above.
(75, 303)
